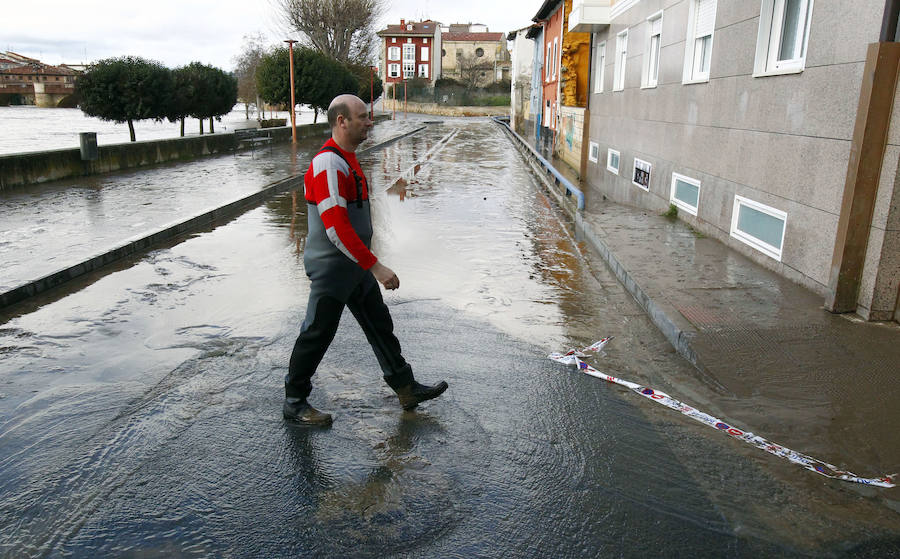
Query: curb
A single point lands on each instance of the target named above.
(667, 320)
(172, 230)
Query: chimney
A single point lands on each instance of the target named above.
(402, 22)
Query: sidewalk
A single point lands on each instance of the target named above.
(767, 352)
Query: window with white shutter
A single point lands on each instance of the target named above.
(783, 36)
(424, 54)
(619, 63)
(650, 76)
(698, 55)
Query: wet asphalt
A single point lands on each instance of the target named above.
(140, 409)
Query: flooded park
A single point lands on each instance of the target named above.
(140, 405)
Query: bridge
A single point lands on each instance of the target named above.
(40, 94)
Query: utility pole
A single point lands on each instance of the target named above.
(290, 43)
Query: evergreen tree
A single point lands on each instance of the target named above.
(126, 89)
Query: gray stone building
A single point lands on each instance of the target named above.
(768, 124)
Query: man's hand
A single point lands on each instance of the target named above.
(385, 276)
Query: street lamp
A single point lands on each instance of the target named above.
(290, 43)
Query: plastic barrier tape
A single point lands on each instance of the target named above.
(572, 357)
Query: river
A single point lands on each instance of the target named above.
(26, 128)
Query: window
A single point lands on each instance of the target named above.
(698, 50)
(409, 69)
(556, 57)
(759, 226)
(423, 70)
(393, 39)
(425, 40)
(641, 175)
(651, 61)
(599, 72)
(612, 161)
(594, 153)
(685, 193)
(409, 52)
(393, 70)
(548, 66)
(621, 55)
(393, 53)
(479, 52)
(783, 36)
(424, 54)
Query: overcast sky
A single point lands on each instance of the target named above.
(176, 32)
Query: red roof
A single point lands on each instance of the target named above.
(426, 27)
(472, 37)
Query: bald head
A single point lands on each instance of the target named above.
(345, 105)
(349, 120)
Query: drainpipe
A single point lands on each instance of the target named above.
(889, 23)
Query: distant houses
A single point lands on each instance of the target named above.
(430, 50)
(28, 81)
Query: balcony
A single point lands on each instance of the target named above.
(589, 16)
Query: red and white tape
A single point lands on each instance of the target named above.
(572, 357)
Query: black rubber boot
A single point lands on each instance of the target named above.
(413, 394)
(299, 410)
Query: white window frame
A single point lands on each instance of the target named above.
(409, 69)
(409, 52)
(393, 53)
(768, 41)
(549, 65)
(679, 203)
(621, 58)
(600, 70)
(649, 170)
(423, 54)
(393, 39)
(609, 165)
(555, 56)
(748, 239)
(393, 70)
(423, 70)
(650, 73)
(696, 37)
(425, 40)
(593, 152)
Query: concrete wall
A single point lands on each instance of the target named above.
(31, 168)
(442, 110)
(782, 141)
(569, 139)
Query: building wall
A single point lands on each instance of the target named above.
(494, 56)
(420, 43)
(575, 63)
(553, 39)
(520, 79)
(782, 141)
(569, 136)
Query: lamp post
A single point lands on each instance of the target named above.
(372, 92)
(290, 43)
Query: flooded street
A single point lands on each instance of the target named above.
(140, 413)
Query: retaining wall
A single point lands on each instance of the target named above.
(442, 110)
(43, 166)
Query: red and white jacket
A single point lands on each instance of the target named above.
(330, 186)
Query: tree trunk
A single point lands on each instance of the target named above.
(182, 128)
(315, 115)
(131, 129)
(257, 109)
(212, 129)
(246, 111)
(201, 125)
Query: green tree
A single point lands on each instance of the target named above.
(210, 92)
(125, 89)
(369, 82)
(317, 79)
(179, 103)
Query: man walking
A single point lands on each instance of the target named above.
(343, 271)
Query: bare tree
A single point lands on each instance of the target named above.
(474, 71)
(246, 64)
(340, 29)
